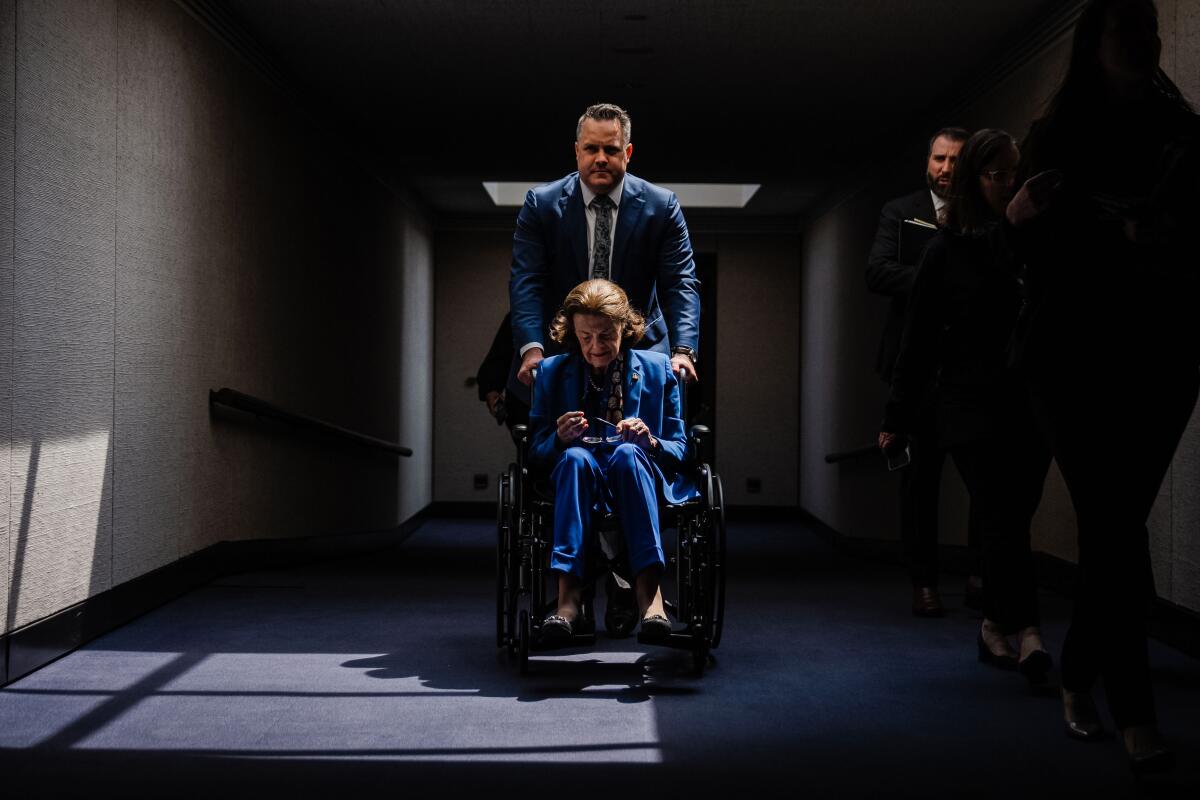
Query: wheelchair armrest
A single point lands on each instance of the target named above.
(520, 438)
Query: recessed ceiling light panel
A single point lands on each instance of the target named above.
(691, 195)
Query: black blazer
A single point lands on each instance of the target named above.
(961, 313)
(887, 276)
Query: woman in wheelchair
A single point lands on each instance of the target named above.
(606, 424)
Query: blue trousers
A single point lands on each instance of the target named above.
(588, 484)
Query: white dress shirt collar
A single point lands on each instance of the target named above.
(614, 193)
(938, 204)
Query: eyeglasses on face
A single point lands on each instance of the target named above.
(999, 175)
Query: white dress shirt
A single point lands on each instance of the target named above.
(590, 214)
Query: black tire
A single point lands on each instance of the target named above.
(523, 639)
(503, 554)
(717, 563)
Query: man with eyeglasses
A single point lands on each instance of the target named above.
(904, 226)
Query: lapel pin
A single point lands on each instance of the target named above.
(635, 377)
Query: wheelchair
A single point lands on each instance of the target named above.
(525, 538)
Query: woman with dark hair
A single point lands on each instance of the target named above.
(961, 312)
(1110, 338)
(606, 423)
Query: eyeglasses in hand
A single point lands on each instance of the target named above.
(611, 435)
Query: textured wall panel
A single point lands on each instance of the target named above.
(1185, 519)
(842, 398)
(757, 350)
(7, 187)
(416, 367)
(63, 321)
(1159, 530)
(1187, 48)
(248, 256)
(1185, 472)
(471, 293)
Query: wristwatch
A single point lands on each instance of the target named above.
(686, 351)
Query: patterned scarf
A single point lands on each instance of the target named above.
(615, 407)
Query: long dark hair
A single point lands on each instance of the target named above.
(1083, 86)
(967, 210)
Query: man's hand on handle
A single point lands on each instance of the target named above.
(533, 357)
(684, 368)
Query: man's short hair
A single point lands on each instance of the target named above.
(606, 111)
(953, 134)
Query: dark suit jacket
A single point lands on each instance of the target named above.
(651, 394)
(887, 276)
(958, 327)
(651, 260)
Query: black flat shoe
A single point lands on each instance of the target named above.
(1006, 661)
(1035, 666)
(556, 629)
(656, 628)
(1081, 718)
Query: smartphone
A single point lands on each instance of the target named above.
(898, 459)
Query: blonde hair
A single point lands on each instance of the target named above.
(600, 297)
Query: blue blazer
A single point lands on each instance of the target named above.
(651, 395)
(651, 260)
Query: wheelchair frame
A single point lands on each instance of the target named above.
(525, 537)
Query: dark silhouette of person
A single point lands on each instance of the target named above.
(890, 272)
(492, 378)
(961, 313)
(1110, 339)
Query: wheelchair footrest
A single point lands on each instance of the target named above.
(578, 640)
(678, 640)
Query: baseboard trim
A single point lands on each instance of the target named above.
(39, 643)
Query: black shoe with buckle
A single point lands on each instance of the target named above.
(656, 628)
(556, 629)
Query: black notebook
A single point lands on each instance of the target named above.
(914, 235)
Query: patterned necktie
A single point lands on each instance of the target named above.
(602, 246)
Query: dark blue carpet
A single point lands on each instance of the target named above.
(380, 674)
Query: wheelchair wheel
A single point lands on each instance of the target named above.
(523, 641)
(503, 555)
(717, 563)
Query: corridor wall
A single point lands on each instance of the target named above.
(170, 222)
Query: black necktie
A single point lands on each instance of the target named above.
(602, 247)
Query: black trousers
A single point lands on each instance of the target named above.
(1114, 444)
(920, 490)
(1004, 476)
(920, 485)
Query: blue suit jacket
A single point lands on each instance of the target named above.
(651, 394)
(651, 260)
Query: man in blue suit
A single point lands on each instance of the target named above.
(601, 222)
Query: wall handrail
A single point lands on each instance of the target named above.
(259, 407)
(848, 455)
